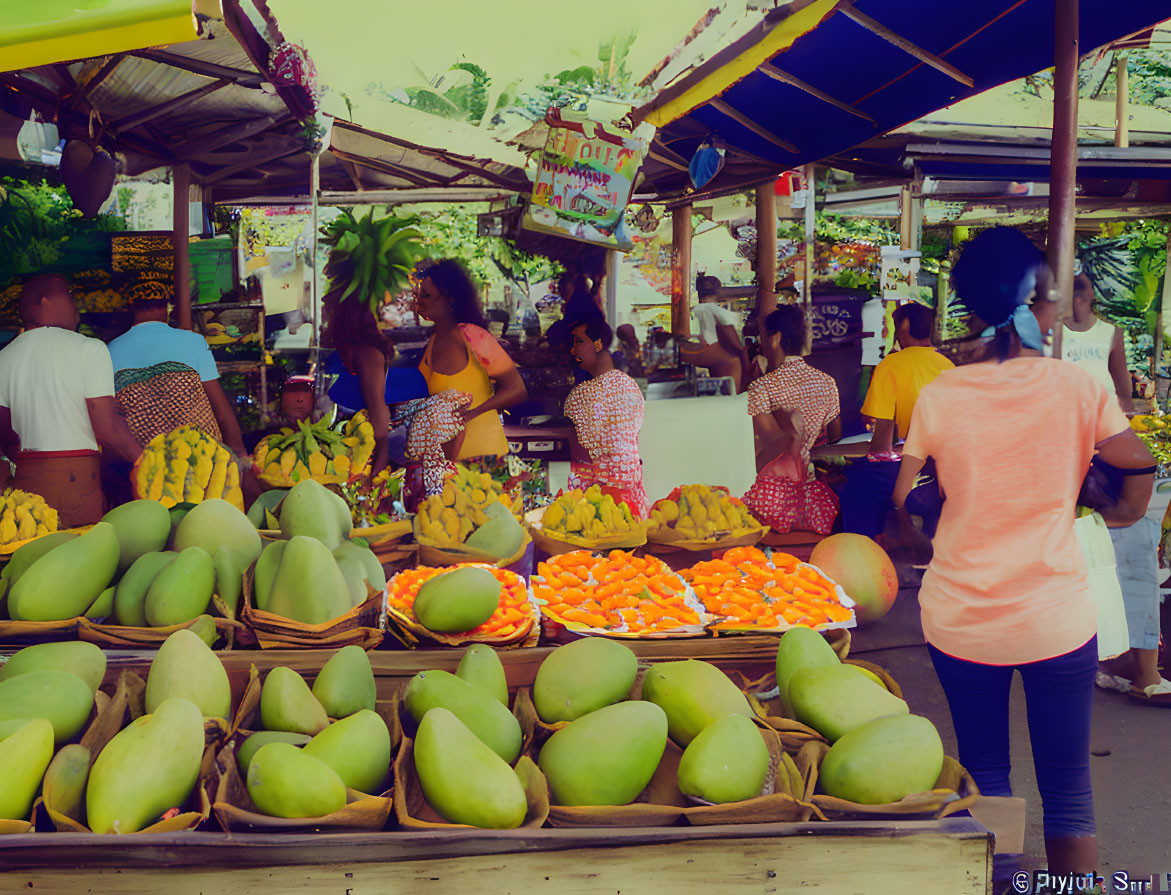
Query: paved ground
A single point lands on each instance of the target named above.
(1132, 784)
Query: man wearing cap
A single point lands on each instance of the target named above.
(57, 410)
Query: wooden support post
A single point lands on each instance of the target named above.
(1063, 163)
(1121, 115)
(613, 260)
(810, 242)
(181, 182)
(905, 218)
(681, 271)
(315, 302)
(766, 248)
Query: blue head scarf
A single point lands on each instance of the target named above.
(1026, 326)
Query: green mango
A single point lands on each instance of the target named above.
(606, 757)
(374, 573)
(355, 577)
(60, 696)
(215, 523)
(229, 579)
(286, 703)
(346, 684)
(484, 716)
(883, 760)
(457, 601)
(262, 738)
(283, 781)
(24, 756)
(142, 526)
(265, 502)
(9, 726)
(694, 694)
(185, 667)
(726, 762)
(480, 666)
(65, 581)
(834, 699)
(464, 780)
(800, 648)
(29, 553)
(130, 594)
(64, 787)
(867, 673)
(85, 660)
(264, 574)
(357, 748)
(146, 770)
(182, 590)
(582, 677)
(204, 628)
(310, 509)
(309, 587)
(501, 536)
(103, 606)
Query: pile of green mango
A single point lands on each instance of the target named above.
(301, 764)
(880, 753)
(315, 573)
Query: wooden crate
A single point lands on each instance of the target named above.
(952, 856)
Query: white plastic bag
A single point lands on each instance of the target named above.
(1094, 537)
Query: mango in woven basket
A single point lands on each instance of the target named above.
(186, 465)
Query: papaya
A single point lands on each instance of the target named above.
(726, 762)
(310, 509)
(64, 786)
(800, 648)
(65, 581)
(457, 601)
(146, 769)
(834, 699)
(582, 677)
(215, 523)
(345, 684)
(182, 590)
(265, 573)
(24, 756)
(693, 694)
(229, 579)
(59, 696)
(184, 666)
(501, 536)
(26, 555)
(85, 660)
(265, 503)
(142, 526)
(883, 760)
(286, 703)
(284, 781)
(262, 738)
(484, 716)
(357, 748)
(308, 587)
(372, 567)
(481, 667)
(606, 757)
(103, 607)
(463, 779)
(130, 593)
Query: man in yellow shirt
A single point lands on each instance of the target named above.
(894, 389)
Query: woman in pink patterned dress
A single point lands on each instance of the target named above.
(607, 412)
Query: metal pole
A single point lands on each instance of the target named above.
(181, 223)
(1063, 163)
(681, 271)
(810, 238)
(1121, 116)
(766, 248)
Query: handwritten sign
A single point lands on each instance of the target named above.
(583, 183)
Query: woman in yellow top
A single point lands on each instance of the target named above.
(462, 356)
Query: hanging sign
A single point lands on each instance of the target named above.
(584, 180)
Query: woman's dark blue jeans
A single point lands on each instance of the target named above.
(1058, 695)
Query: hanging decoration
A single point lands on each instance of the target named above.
(707, 162)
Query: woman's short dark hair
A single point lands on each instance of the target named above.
(995, 273)
(920, 319)
(708, 286)
(789, 322)
(453, 282)
(596, 328)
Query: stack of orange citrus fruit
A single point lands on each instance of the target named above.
(514, 615)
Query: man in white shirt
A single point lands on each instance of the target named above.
(57, 406)
(719, 348)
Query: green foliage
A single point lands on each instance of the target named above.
(1126, 266)
(1149, 75)
(462, 101)
(835, 228)
(263, 229)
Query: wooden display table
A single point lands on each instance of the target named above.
(952, 856)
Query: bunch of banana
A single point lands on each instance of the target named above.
(186, 466)
(587, 514)
(702, 514)
(24, 516)
(331, 455)
(448, 518)
(371, 257)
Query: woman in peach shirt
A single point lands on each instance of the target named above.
(1012, 436)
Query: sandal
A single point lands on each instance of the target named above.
(1155, 694)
